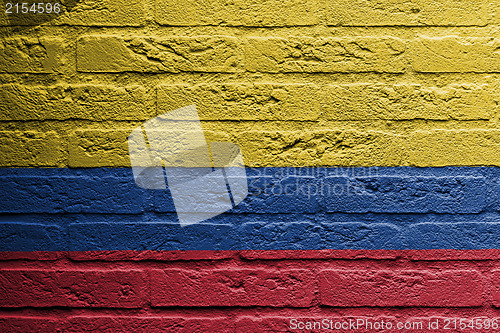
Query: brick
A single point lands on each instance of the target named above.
(31, 237)
(72, 288)
(286, 195)
(457, 235)
(4, 19)
(495, 9)
(81, 13)
(32, 255)
(407, 13)
(294, 235)
(29, 18)
(254, 13)
(38, 194)
(327, 54)
(232, 287)
(320, 147)
(477, 147)
(147, 235)
(109, 148)
(495, 195)
(315, 236)
(404, 194)
(299, 322)
(366, 101)
(264, 324)
(495, 281)
(242, 101)
(140, 255)
(98, 148)
(32, 55)
(351, 323)
(115, 54)
(31, 148)
(115, 324)
(268, 146)
(357, 235)
(85, 101)
(104, 13)
(319, 254)
(453, 54)
(450, 254)
(22, 324)
(71, 13)
(450, 288)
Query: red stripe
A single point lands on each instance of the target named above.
(245, 291)
(445, 254)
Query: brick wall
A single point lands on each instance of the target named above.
(294, 83)
(241, 291)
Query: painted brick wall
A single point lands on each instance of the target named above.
(255, 291)
(296, 83)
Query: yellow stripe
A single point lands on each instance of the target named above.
(267, 144)
(245, 101)
(276, 124)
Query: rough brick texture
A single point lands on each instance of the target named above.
(46, 149)
(72, 288)
(455, 54)
(405, 288)
(284, 288)
(325, 55)
(254, 13)
(363, 101)
(80, 13)
(83, 101)
(244, 101)
(270, 294)
(152, 55)
(407, 13)
(31, 55)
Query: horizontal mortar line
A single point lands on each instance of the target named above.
(242, 28)
(322, 24)
(327, 122)
(151, 312)
(268, 77)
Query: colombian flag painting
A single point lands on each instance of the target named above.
(250, 166)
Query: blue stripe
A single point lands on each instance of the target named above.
(287, 208)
